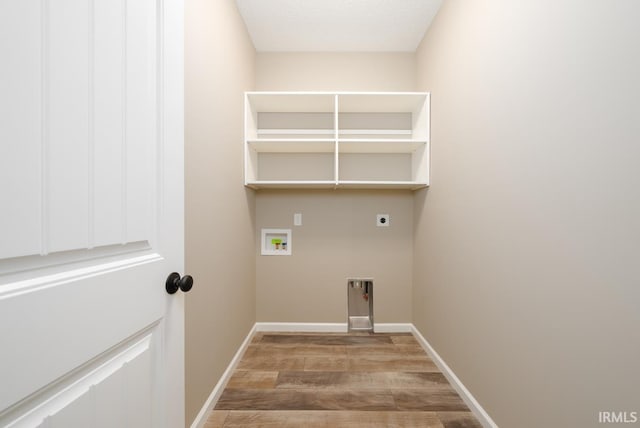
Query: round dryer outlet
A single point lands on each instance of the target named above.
(382, 220)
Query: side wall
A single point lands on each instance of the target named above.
(220, 310)
(338, 237)
(526, 244)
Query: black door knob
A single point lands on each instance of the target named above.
(174, 282)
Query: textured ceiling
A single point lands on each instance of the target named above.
(337, 25)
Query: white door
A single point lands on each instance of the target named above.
(91, 214)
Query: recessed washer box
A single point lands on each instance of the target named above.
(275, 242)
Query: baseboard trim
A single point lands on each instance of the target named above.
(201, 418)
(474, 406)
(302, 327)
(314, 327)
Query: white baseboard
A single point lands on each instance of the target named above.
(201, 418)
(303, 327)
(474, 406)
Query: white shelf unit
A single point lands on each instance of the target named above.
(337, 140)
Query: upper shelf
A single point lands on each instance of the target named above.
(357, 102)
(293, 131)
(299, 134)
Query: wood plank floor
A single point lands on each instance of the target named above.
(338, 380)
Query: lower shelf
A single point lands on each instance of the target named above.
(410, 185)
(289, 184)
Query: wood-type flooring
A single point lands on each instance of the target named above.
(338, 380)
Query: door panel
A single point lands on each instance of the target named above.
(114, 392)
(108, 124)
(80, 134)
(140, 117)
(91, 152)
(74, 320)
(65, 153)
(21, 120)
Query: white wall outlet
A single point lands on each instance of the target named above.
(382, 220)
(297, 219)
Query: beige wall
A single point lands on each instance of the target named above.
(350, 71)
(220, 310)
(526, 247)
(338, 237)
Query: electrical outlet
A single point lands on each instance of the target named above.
(382, 220)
